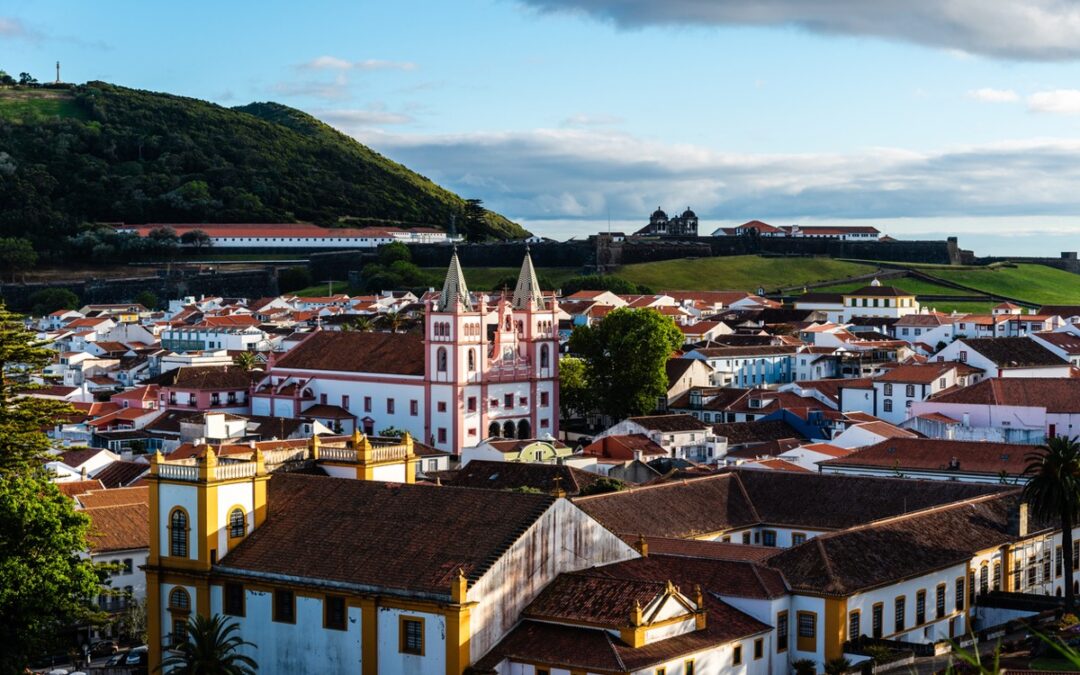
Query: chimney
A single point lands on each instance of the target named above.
(1018, 520)
(966, 418)
(642, 546)
(83, 473)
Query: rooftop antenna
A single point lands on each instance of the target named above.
(57, 72)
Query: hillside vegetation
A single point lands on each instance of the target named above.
(99, 152)
(1037, 284)
(744, 272)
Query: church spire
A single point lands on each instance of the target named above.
(454, 292)
(527, 292)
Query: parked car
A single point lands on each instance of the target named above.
(116, 660)
(138, 656)
(104, 647)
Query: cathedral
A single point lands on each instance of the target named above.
(484, 367)
(685, 225)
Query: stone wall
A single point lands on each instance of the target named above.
(245, 284)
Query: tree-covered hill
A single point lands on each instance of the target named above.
(102, 153)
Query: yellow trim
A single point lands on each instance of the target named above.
(233, 541)
(155, 523)
(835, 613)
(258, 500)
(274, 605)
(153, 611)
(208, 509)
(736, 655)
(187, 534)
(851, 615)
(806, 644)
(369, 637)
(402, 619)
(458, 638)
(782, 617)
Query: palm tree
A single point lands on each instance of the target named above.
(394, 321)
(210, 649)
(362, 324)
(1053, 491)
(246, 360)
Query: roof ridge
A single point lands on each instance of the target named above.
(922, 512)
(825, 560)
(746, 495)
(615, 651)
(654, 486)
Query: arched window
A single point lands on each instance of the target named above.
(523, 429)
(984, 579)
(237, 523)
(508, 322)
(178, 533)
(508, 430)
(545, 357)
(440, 360)
(179, 600)
(493, 430)
(472, 360)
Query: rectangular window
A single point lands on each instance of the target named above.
(909, 391)
(414, 408)
(746, 537)
(523, 401)
(543, 399)
(768, 538)
(179, 630)
(781, 632)
(689, 667)
(440, 406)
(806, 626)
(920, 608)
(389, 406)
(888, 390)
(471, 404)
(1076, 555)
(127, 566)
(759, 648)
(508, 401)
(1057, 562)
(959, 599)
(854, 625)
(367, 404)
(797, 538)
(877, 621)
(345, 401)
(442, 434)
(233, 602)
(939, 601)
(411, 635)
(736, 655)
(997, 575)
(334, 614)
(888, 405)
(493, 403)
(284, 606)
(899, 605)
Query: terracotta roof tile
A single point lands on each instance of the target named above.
(353, 351)
(119, 528)
(1057, 395)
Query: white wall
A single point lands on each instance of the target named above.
(288, 648)
(236, 494)
(171, 495)
(391, 660)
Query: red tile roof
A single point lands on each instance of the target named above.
(353, 351)
(77, 487)
(623, 447)
(119, 528)
(931, 454)
(1056, 395)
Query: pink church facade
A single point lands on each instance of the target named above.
(480, 369)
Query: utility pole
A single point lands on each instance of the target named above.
(57, 72)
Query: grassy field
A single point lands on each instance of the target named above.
(916, 286)
(744, 273)
(32, 105)
(1033, 283)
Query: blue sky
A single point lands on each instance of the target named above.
(926, 117)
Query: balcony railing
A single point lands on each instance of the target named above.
(185, 472)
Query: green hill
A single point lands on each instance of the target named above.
(1037, 284)
(99, 152)
(744, 272)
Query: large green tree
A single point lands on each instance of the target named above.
(212, 648)
(1053, 491)
(48, 300)
(45, 582)
(625, 358)
(16, 255)
(575, 397)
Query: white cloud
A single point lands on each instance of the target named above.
(1058, 101)
(335, 63)
(990, 95)
(582, 120)
(353, 120)
(12, 28)
(336, 90)
(1015, 29)
(587, 173)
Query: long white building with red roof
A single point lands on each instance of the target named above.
(295, 235)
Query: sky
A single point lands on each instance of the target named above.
(923, 117)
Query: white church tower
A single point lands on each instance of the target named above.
(491, 370)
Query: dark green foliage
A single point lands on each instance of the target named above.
(394, 252)
(398, 275)
(212, 648)
(293, 279)
(596, 282)
(48, 300)
(147, 299)
(625, 358)
(575, 395)
(1053, 491)
(603, 486)
(16, 255)
(509, 282)
(135, 156)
